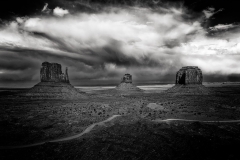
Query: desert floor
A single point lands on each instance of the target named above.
(137, 133)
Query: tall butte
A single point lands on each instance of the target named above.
(52, 72)
(189, 81)
(54, 84)
(126, 84)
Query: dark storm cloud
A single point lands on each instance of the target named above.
(110, 52)
(221, 77)
(234, 78)
(15, 67)
(17, 62)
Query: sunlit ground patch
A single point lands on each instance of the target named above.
(155, 106)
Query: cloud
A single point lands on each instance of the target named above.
(19, 20)
(45, 7)
(220, 27)
(60, 12)
(150, 44)
(210, 11)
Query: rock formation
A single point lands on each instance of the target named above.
(189, 75)
(126, 84)
(52, 72)
(54, 84)
(189, 81)
(127, 78)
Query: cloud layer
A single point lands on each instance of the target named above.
(151, 44)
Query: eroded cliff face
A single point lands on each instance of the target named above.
(52, 72)
(189, 82)
(189, 75)
(127, 78)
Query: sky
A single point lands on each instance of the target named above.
(100, 41)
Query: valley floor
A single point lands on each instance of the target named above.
(29, 121)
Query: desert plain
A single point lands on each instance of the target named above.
(110, 124)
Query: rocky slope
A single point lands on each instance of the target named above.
(189, 90)
(53, 90)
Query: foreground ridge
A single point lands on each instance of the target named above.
(89, 129)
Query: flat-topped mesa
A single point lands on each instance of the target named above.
(189, 75)
(127, 78)
(52, 72)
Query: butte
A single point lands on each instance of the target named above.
(126, 85)
(54, 84)
(189, 82)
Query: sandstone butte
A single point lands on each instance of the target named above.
(189, 81)
(54, 84)
(189, 75)
(52, 72)
(126, 84)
